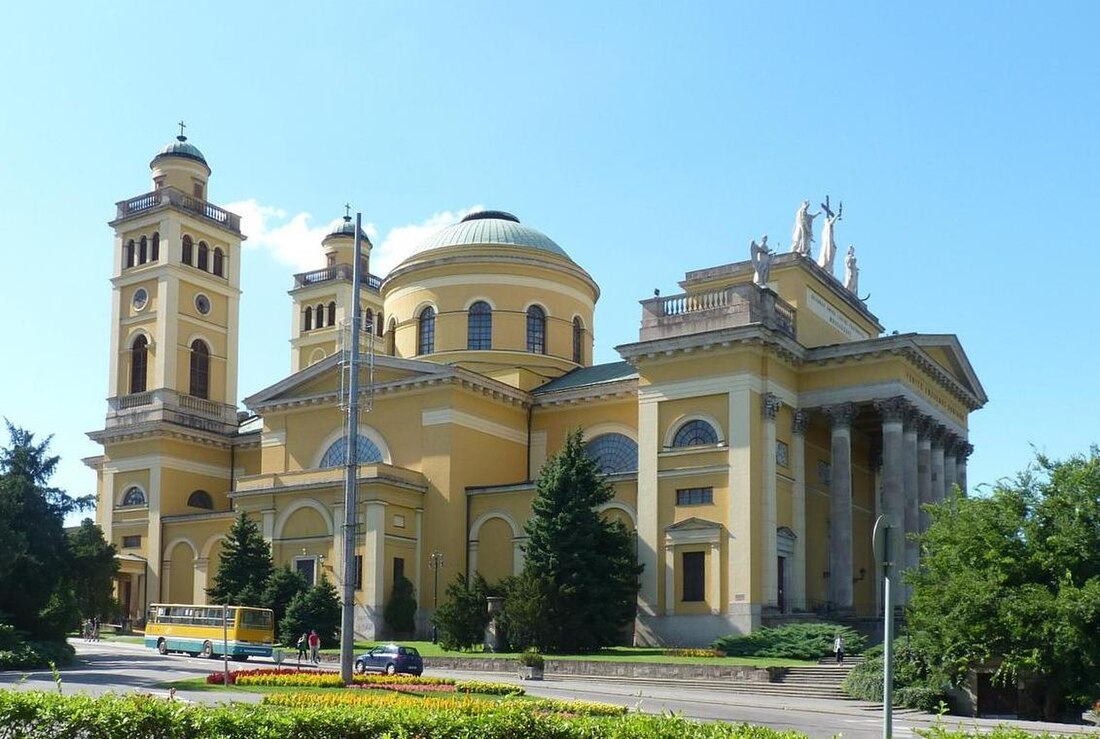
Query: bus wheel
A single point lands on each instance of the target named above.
(207, 649)
(162, 646)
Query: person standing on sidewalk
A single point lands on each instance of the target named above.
(314, 647)
(838, 647)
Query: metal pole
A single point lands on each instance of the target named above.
(435, 562)
(351, 481)
(887, 647)
(225, 644)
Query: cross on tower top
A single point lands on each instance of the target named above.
(347, 211)
(182, 125)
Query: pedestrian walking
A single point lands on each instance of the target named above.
(314, 647)
(838, 647)
(303, 645)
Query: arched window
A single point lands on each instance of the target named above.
(578, 340)
(613, 453)
(307, 318)
(139, 363)
(200, 369)
(381, 325)
(133, 496)
(479, 326)
(391, 338)
(695, 432)
(368, 321)
(425, 337)
(332, 313)
(201, 499)
(536, 330)
(219, 262)
(319, 315)
(143, 250)
(204, 256)
(129, 256)
(185, 253)
(154, 253)
(366, 452)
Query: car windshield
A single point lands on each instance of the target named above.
(410, 651)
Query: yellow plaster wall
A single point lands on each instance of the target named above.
(494, 555)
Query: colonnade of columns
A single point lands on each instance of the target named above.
(921, 460)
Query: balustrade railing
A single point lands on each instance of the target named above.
(335, 272)
(180, 199)
(736, 305)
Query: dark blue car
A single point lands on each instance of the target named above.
(390, 659)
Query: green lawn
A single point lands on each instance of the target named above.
(609, 654)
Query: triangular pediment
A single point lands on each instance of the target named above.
(693, 524)
(324, 378)
(946, 351)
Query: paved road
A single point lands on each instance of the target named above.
(118, 667)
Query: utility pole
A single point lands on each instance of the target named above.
(351, 480)
(435, 564)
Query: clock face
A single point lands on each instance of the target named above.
(202, 304)
(140, 299)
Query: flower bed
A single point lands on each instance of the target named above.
(291, 678)
(462, 705)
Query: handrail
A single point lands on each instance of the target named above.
(180, 199)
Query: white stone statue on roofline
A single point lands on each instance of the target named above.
(851, 272)
(761, 260)
(802, 235)
(827, 255)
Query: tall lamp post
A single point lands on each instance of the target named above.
(435, 564)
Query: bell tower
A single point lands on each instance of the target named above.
(175, 299)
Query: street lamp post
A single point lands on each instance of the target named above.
(435, 563)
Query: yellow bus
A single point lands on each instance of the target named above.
(179, 627)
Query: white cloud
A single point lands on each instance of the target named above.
(294, 242)
(401, 241)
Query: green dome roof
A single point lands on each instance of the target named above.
(347, 228)
(491, 227)
(180, 148)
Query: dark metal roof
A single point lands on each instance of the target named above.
(493, 228)
(594, 375)
(347, 228)
(180, 148)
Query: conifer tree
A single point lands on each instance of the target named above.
(316, 608)
(579, 567)
(245, 566)
(93, 570)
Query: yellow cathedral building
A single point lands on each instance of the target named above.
(752, 434)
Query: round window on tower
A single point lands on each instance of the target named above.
(140, 299)
(202, 304)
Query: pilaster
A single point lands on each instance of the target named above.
(840, 504)
(769, 408)
(924, 470)
(799, 421)
(650, 542)
(912, 495)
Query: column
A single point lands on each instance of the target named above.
(924, 470)
(840, 504)
(938, 489)
(965, 450)
(950, 463)
(374, 577)
(912, 501)
(419, 529)
(875, 461)
(199, 594)
(650, 542)
(670, 579)
(269, 525)
(769, 408)
(893, 412)
(471, 558)
(714, 587)
(799, 421)
(338, 547)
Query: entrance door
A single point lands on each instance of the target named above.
(781, 577)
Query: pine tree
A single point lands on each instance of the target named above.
(282, 586)
(316, 608)
(580, 567)
(400, 611)
(244, 568)
(93, 570)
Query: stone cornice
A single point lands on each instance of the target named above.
(160, 429)
(752, 335)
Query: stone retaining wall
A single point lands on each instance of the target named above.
(614, 669)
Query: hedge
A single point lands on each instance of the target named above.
(793, 641)
(32, 714)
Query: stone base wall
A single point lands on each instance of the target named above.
(694, 631)
(596, 668)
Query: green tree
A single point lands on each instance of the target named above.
(281, 588)
(400, 612)
(1013, 579)
(316, 608)
(581, 567)
(245, 566)
(34, 551)
(93, 570)
(463, 615)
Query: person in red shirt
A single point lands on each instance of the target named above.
(314, 647)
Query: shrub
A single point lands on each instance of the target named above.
(793, 641)
(400, 612)
(531, 658)
(16, 653)
(462, 618)
(914, 685)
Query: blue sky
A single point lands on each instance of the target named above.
(647, 138)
